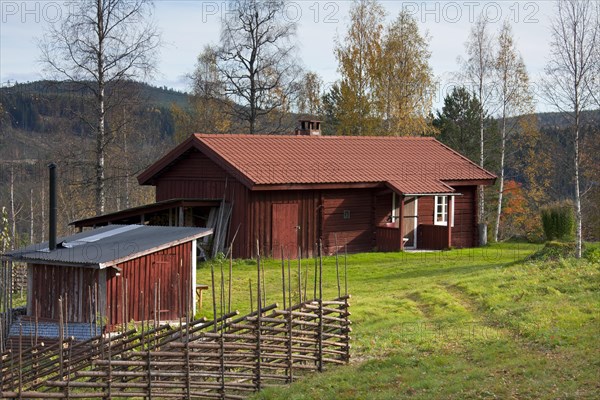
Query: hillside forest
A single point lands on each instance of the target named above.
(386, 87)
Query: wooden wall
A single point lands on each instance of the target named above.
(157, 280)
(464, 232)
(260, 220)
(383, 208)
(48, 283)
(320, 214)
(356, 232)
(196, 176)
(432, 237)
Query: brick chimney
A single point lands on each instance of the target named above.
(308, 127)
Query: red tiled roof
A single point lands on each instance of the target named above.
(406, 164)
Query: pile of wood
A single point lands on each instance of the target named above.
(225, 358)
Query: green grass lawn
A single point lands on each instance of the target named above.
(464, 324)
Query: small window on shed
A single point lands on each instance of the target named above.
(346, 214)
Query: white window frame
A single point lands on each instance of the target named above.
(193, 285)
(441, 200)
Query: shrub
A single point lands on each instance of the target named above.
(592, 254)
(558, 220)
(555, 251)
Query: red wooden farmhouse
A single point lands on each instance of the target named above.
(365, 193)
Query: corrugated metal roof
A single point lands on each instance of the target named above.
(134, 212)
(419, 186)
(106, 246)
(413, 164)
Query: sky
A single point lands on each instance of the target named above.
(187, 26)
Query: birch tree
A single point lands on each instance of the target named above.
(359, 58)
(514, 98)
(4, 231)
(477, 73)
(208, 103)
(100, 45)
(404, 80)
(571, 73)
(309, 96)
(256, 59)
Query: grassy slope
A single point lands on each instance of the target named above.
(464, 324)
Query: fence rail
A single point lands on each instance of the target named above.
(227, 358)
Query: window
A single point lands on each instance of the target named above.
(440, 211)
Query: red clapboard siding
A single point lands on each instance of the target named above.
(197, 177)
(426, 205)
(285, 230)
(261, 223)
(464, 218)
(193, 176)
(158, 280)
(74, 285)
(388, 238)
(433, 237)
(355, 241)
(356, 232)
(191, 164)
(464, 231)
(383, 208)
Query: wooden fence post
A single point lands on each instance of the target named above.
(320, 302)
(21, 360)
(258, 382)
(187, 348)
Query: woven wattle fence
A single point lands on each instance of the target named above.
(229, 360)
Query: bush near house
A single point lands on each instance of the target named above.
(558, 220)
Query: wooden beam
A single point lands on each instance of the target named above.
(401, 221)
(170, 206)
(470, 182)
(316, 186)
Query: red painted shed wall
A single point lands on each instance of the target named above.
(155, 281)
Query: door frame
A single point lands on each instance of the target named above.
(396, 217)
(416, 221)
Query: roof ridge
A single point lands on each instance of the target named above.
(316, 137)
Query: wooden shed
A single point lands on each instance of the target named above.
(117, 273)
(363, 193)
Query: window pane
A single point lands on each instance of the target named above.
(441, 209)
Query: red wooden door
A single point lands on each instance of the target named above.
(284, 228)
